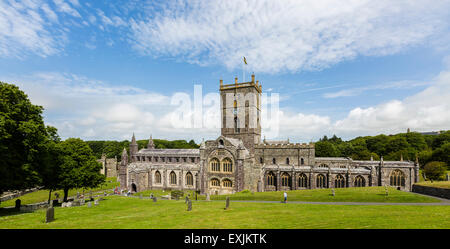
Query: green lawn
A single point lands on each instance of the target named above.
(42, 195)
(117, 212)
(366, 194)
(436, 184)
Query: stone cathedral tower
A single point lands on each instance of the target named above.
(241, 111)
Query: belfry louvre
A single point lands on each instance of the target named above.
(238, 159)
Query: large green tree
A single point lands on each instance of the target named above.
(435, 170)
(23, 136)
(78, 166)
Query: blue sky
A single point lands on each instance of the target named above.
(103, 70)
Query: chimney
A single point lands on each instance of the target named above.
(235, 80)
(253, 78)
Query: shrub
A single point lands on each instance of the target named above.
(435, 170)
(176, 193)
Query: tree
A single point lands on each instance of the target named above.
(435, 170)
(22, 137)
(78, 166)
(326, 149)
(442, 153)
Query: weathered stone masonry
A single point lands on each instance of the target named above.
(239, 160)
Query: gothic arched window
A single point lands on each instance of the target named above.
(173, 178)
(339, 182)
(227, 165)
(302, 181)
(271, 179)
(360, 181)
(397, 178)
(157, 177)
(189, 179)
(215, 182)
(214, 165)
(320, 181)
(285, 179)
(227, 183)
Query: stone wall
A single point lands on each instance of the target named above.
(438, 192)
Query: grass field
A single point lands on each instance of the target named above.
(436, 184)
(366, 194)
(42, 195)
(117, 212)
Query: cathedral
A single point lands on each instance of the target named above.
(239, 160)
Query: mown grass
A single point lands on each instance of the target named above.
(436, 184)
(365, 194)
(118, 212)
(42, 195)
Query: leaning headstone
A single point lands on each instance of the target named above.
(18, 204)
(154, 199)
(227, 205)
(50, 215)
(89, 204)
(96, 202)
(207, 197)
(189, 207)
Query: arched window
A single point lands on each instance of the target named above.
(157, 177)
(215, 182)
(214, 165)
(274, 161)
(221, 142)
(271, 179)
(189, 179)
(360, 182)
(227, 183)
(302, 161)
(397, 178)
(173, 178)
(339, 182)
(285, 179)
(302, 181)
(321, 181)
(287, 161)
(323, 166)
(227, 165)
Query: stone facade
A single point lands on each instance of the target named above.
(110, 166)
(239, 160)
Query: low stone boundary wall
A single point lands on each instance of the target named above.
(18, 194)
(438, 192)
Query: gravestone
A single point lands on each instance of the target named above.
(207, 197)
(18, 204)
(227, 206)
(89, 204)
(63, 205)
(189, 207)
(154, 199)
(50, 215)
(55, 202)
(104, 193)
(82, 202)
(186, 200)
(78, 195)
(140, 196)
(332, 192)
(69, 204)
(100, 199)
(448, 177)
(96, 202)
(151, 196)
(386, 190)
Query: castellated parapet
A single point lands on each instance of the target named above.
(239, 160)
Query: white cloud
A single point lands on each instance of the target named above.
(24, 28)
(291, 36)
(66, 8)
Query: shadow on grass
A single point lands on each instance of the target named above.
(12, 211)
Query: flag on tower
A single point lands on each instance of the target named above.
(245, 61)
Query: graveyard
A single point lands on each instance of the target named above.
(245, 211)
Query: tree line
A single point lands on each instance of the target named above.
(392, 147)
(33, 154)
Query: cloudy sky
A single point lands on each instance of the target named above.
(105, 69)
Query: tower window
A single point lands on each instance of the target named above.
(287, 160)
(274, 161)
